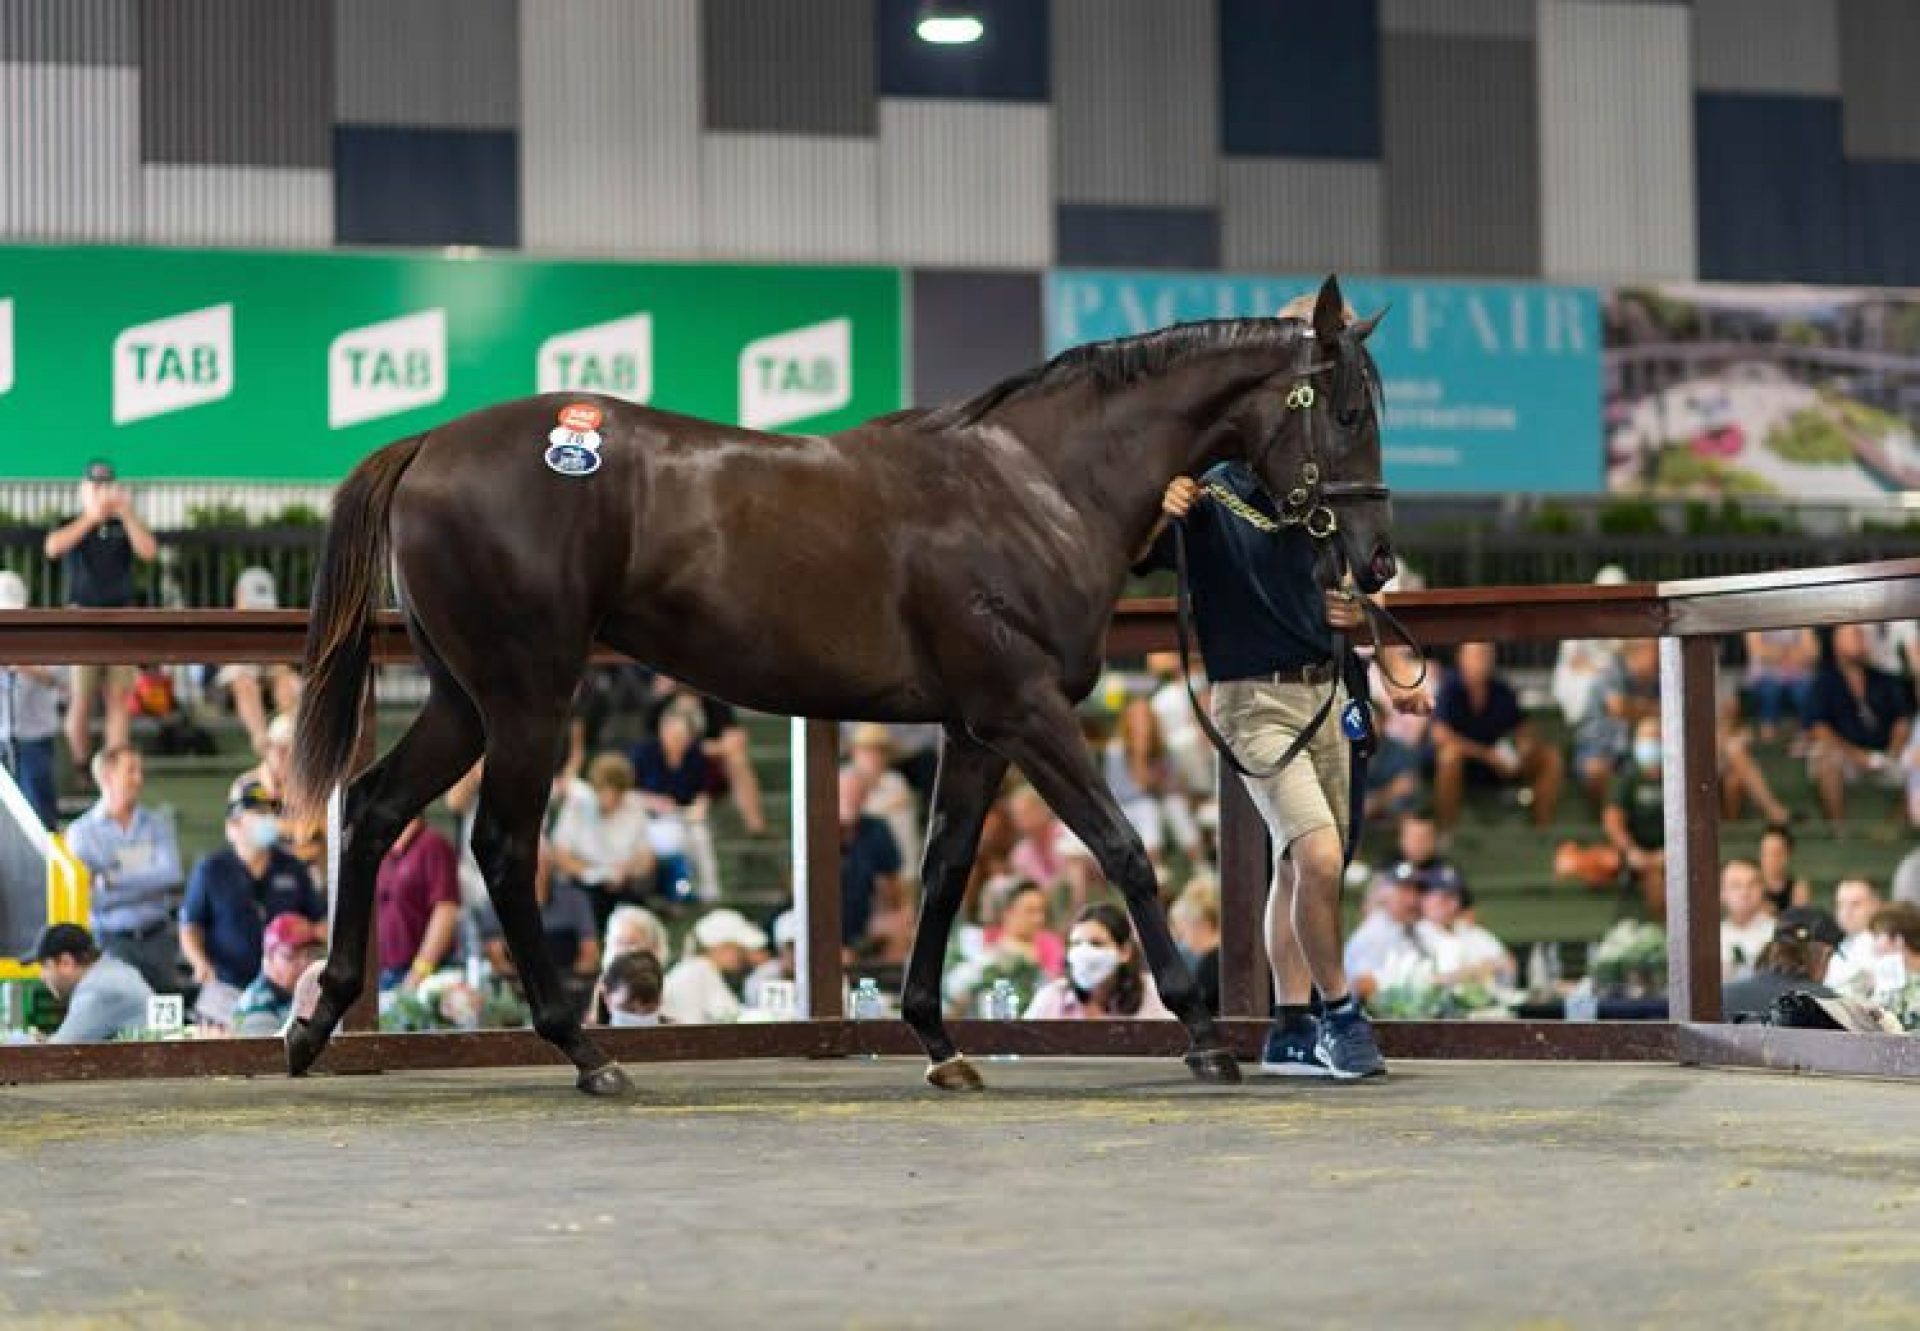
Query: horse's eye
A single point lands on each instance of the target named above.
(1349, 420)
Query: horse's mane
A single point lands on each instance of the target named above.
(1120, 361)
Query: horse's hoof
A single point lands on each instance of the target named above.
(609, 1079)
(1216, 1066)
(303, 1047)
(956, 1074)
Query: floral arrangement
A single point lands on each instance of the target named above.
(444, 1001)
(1410, 991)
(1630, 962)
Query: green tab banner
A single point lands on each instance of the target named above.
(291, 367)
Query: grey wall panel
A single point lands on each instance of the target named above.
(798, 67)
(1616, 141)
(1879, 57)
(1460, 154)
(69, 32)
(1458, 18)
(1771, 46)
(966, 182)
(1136, 101)
(237, 205)
(69, 152)
(1311, 214)
(236, 83)
(610, 126)
(447, 64)
(971, 330)
(787, 196)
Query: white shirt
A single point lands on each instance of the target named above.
(1466, 944)
(695, 991)
(1748, 939)
(1374, 942)
(606, 841)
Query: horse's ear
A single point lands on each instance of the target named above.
(1363, 330)
(1329, 312)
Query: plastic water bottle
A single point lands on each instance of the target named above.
(1001, 1002)
(1583, 1004)
(869, 1004)
(479, 969)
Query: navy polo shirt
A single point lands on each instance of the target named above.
(231, 907)
(685, 782)
(868, 854)
(1257, 604)
(1495, 719)
(100, 568)
(1866, 722)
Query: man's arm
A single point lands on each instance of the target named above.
(437, 941)
(63, 538)
(138, 536)
(164, 871)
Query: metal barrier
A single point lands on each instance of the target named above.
(1687, 617)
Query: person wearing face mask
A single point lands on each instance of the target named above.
(1104, 976)
(231, 895)
(632, 988)
(1636, 816)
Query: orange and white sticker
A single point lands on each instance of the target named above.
(580, 416)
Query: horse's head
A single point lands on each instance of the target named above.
(1311, 434)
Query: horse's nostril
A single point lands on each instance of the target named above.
(1384, 566)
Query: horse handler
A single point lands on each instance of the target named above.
(1266, 628)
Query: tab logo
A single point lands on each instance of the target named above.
(185, 360)
(613, 358)
(793, 375)
(6, 345)
(385, 368)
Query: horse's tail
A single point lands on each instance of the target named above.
(339, 651)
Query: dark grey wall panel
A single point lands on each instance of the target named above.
(1767, 46)
(1136, 102)
(448, 64)
(1108, 235)
(971, 329)
(69, 32)
(798, 67)
(1461, 154)
(236, 82)
(1879, 55)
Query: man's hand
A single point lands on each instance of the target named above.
(1343, 609)
(1412, 700)
(203, 973)
(1182, 494)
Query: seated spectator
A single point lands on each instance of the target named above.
(1195, 918)
(1780, 666)
(104, 995)
(1141, 775)
(1462, 951)
(231, 895)
(698, 989)
(1857, 720)
(874, 914)
(1022, 931)
(1855, 902)
(567, 929)
(1627, 693)
(1397, 772)
(1792, 961)
(1420, 857)
(634, 929)
(724, 742)
(603, 839)
(783, 966)
(416, 905)
(134, 861)
(670, 774)
(1105, 977)
(1896, 933)
(634, 989)
(289, 944)
(29, 718)
(1192, 757)
(1746, 925)
(1741, 777)
(1635, 817)
(252, 687)
(1392, 926)
(1582, 666)
(306, 843)
(889, 797)
(1037, 854)
(1482, 738)
(1784, 888)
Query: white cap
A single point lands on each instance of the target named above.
(719, 927)
(13, 590)
(786, 928)
(254, 590)
(1610, 576)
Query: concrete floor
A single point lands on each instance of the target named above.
(1073, 1194)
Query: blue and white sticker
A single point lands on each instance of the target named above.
(571, 459)
(578, 438)
(1355, 724)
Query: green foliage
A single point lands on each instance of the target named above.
(1800, 333)
(1630, 517)
(1729, 519)
(1554, 519)
(1811, 436)
(1680, 468)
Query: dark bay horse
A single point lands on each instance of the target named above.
(957, 566)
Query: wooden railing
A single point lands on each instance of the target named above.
(1687, 617)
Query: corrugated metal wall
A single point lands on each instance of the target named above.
(1616, 140)
(69, 151)
(1279, 213)
(438, 64)
(1767, 46)
(790, 196)
(966, 182)
(1136, 102)
(1879, 66)
(799, 67)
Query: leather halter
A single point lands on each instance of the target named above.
(1310, 502)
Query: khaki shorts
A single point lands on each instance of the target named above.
(88, 678)
(1260, 720)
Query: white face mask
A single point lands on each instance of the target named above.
(1090, 965)
(1646, 753)
(262, 831)
(619, 1018)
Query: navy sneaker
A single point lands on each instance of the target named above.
(1290, 1052)
(1347, 1047)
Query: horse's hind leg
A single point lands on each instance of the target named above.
(1044, 742)
(963, 790)
(506, 842)
(436, 750)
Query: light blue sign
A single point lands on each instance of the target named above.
(1490, 388)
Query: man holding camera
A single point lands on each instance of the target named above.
(97, 550)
